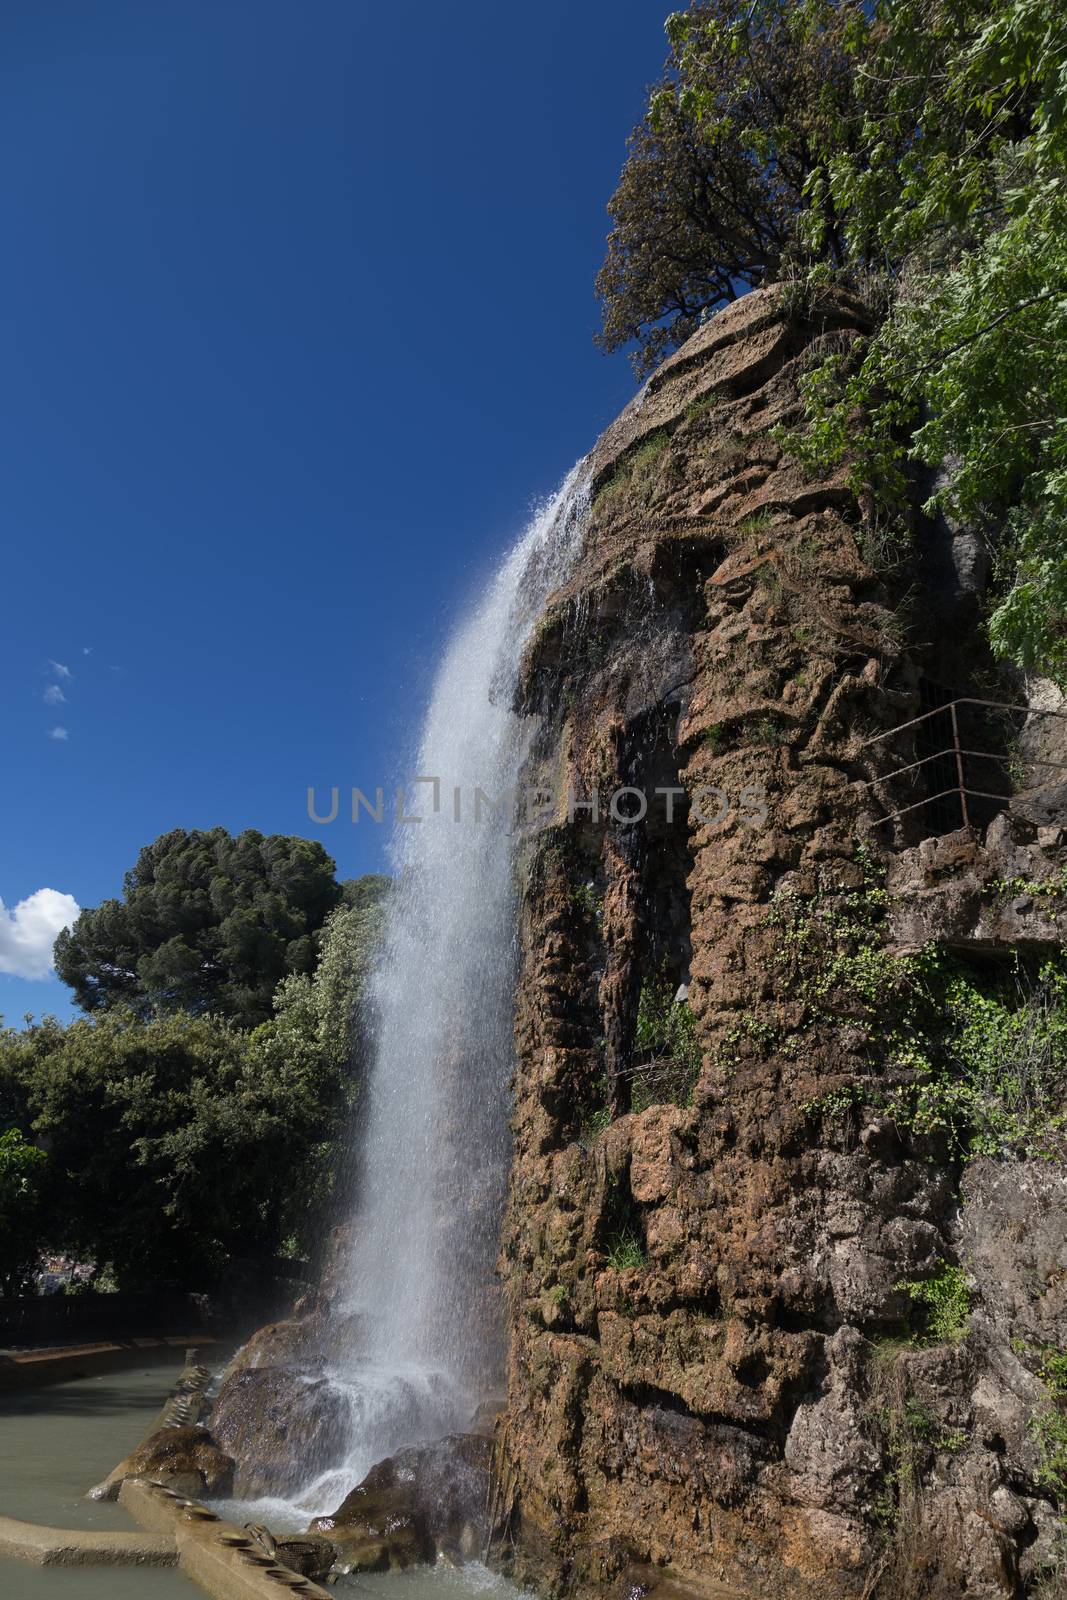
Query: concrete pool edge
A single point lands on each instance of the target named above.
(23, 1369)
(43, 1546)
(225, 1572)
(176, 1533)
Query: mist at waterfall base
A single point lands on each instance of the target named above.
(419, 1298)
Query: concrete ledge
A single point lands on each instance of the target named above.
(70, 1547)
(25, 1369)
(238, 1570)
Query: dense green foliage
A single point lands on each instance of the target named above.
(207, 922)
(165, 1141)
(944, 1302)
(957, 186)
(171, 1145)
(1049, 1423)
(20, 1210)
(914, 152)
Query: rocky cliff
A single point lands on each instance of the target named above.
(783, 1257)
(772, 1326)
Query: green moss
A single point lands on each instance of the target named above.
(763, 730)
(593, 1125)
(1051, 888)
(1048, 1426)
(974, 1059)
(701, 406)
(586, 900)
(750, 528)
(635, 474)
(911, 1436)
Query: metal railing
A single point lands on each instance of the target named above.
(958, 753)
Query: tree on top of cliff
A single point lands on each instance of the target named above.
(957, 185)
(207, 922)
(914, 149)
(715, 195)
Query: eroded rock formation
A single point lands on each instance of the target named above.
(706, 1282)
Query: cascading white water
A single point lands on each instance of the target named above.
(434, 1159)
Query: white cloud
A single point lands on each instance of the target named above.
(28, 932)
(60, 670)
(53, 695)
(58, 733)
(87, 649)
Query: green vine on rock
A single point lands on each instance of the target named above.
(974, 1059)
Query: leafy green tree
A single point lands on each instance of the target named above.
(178, 1142)
(716, 194)
(913, 150)
(319, 1035)
(207, 922)
(165, 1149)
(370, 890)
(21, 1210)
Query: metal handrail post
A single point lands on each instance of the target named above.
(959, 765)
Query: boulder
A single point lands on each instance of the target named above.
(424, 1502)
(188, 1460)
(281, 1426)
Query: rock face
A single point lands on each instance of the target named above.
(276, 1414)
(704, 1283)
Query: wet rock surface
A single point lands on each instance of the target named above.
(422, 1503)
(282, 1427)
(188, 1460)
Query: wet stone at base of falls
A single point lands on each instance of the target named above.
(414, 1507)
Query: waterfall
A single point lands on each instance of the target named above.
(435, 1153)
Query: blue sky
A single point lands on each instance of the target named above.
(296, 314)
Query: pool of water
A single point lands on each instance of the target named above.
(55, 1443)
(439, 1582)
(19, 1581)
(60, 1439)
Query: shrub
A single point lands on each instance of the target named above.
(21, 1212)
(944, 1302)
(665, 1037)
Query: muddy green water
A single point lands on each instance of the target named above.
(473, 1582)
(56, 1442)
